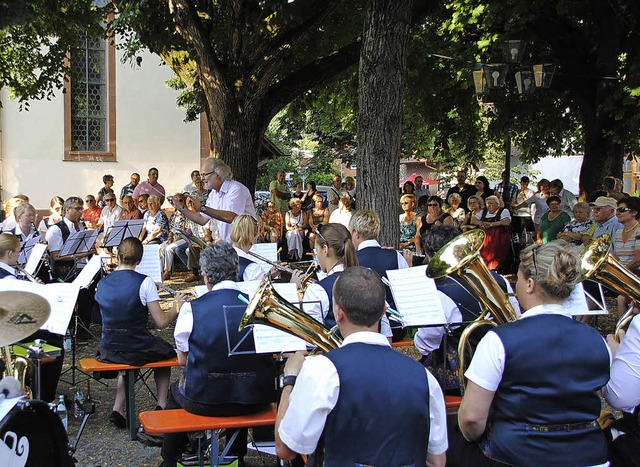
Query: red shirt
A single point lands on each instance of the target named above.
(130, 215)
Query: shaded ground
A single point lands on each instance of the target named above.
(104, 445)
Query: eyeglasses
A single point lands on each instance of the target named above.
(433, 205)
(108, 200)
(77, 208)
(89, 200)
(206, 174)
(621, 210)
(320, 235)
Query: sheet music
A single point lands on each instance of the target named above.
(151, 265)
(87, 273)
(266, 250)
(122, 229)
(576, 303)
(200, 290)
(79, 242)
(34, 258)
(25, 249)
(416, 297)
(62, 298)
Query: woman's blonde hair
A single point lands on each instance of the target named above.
(554, 266)
(409, 196)
(244, 231)
(478, 199)
(316, 198)
(21, 209)
(11, 204)
(8, 242)
(338, 239)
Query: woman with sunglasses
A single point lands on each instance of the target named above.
(532, 392)
(627, 240)
(335, 251)
(475, 204)
(408, 221)
(434, 216)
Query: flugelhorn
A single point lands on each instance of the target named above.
(460, 259)
(269, 308)
(599, 265)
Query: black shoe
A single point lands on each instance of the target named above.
(118, 420)
(149, 439)
(158, 408)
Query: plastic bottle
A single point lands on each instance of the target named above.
(67, 340)
(79, 402)
(62, 411)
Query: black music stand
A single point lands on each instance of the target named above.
(123, 229)
(25, 250)
(79, 242)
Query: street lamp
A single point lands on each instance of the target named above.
(500, 84)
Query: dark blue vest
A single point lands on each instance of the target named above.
(554, 367)
(64, 228)
(124, 317)
(327, 285)
(382, 414)
(381, 261)
(4, 273)
(243, 263)
(211, 375)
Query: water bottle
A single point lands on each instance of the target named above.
(61, 409)
(67, 340)
(79, 402)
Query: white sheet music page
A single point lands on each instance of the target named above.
(88, 272)
(35, 257)
(150, 264)
(62, 298)
(576, 303)
(266, 250)
(200, 290)
(266, 338)
(416, 297)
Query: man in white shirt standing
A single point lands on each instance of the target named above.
(333, 194)
(344, 395)
(228, 198)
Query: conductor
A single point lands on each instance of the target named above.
(372, 405)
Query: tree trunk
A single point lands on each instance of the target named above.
(381, 103)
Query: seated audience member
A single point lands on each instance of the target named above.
(110, 213)
(434, 216)
(532, 391)
(55, 215)
(346, 397)
(126, 298)
(175, 244)
(143, 204)
(244, 232)
(271, 223)
(129, 210)
(627, 241)
(156, 224)
(200, 192)
(92, 212)
(342, 215)
(188, 188)
(454, 210)
(581, 223)
(295, 223)
(317, 215)
(106, 189)
(553, 221)
(244, 384)
(603, 211)
(297, 191)
(208, 233)
(475, 205)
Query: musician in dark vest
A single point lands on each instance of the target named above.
(244, 232)
(440, 355)
(9, 251)
(365, 228)
(212, 382)
(126, 299)
(372, 405)
(334, 252)
(532, 393)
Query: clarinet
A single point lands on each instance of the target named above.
(45, 256)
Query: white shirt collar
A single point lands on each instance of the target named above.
(8, 268)
(225, 285)
(366, 337)
(547, 309)
(337, 268)
(367, 244)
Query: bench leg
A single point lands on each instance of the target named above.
(130, 393)
(214, 459)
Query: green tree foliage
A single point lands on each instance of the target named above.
(35, 36)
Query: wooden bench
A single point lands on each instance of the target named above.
(406, 342)
(180, 421)
(92, 365)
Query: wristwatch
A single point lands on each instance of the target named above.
(288, 380)
(203, 209)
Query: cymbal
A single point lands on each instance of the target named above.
(21, 314)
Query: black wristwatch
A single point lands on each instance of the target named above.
(203, 209)
(288, 380)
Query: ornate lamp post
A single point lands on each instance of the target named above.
(500, 84)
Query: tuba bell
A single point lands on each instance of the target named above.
(19, 367)
(600, 266)
(460, 259)
(269, 308)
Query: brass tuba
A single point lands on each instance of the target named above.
(17, 366)
(460, 259)
(269, 308)
(598, 265)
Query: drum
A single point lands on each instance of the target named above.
(32, 434)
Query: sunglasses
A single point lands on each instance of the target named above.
(433, 205)
(320, 235)
(89, 200)
(108, 200)
(621, 210)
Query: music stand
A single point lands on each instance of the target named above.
(25, 250)
(79, 242)
(123, 229)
